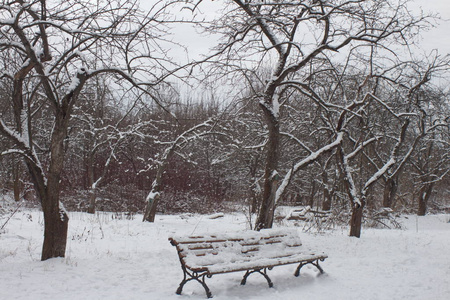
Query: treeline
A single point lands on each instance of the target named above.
(114, 150)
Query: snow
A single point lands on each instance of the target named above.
(276, 106)
(380, 172)
(8, 21)
(62, 212)
(216, 216)
(151, 196)
(14, 134)
(73, 84)
(111, 257)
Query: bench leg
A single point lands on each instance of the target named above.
(314, 263)
(194, 276)
(263, 273)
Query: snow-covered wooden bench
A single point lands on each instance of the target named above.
(250, 251)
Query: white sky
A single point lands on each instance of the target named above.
(439, 36)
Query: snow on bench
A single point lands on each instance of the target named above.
(250, 251)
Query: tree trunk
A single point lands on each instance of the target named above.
(390, 190)
(424, 196)
(357, 206)
(312, 194)
(48, 191)
(152, 204)
(55, 218)
(255, 192)
(92, 201)
(16, 179)
(327, 193)
(154, 196)
(254, 204)
(271, 177)
(356, 220)
(90, 174)
(326, 204)
(55, 233)
(267, 210)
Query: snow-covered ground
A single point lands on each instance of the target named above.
(115, 258)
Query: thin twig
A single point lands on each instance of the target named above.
(13, 213)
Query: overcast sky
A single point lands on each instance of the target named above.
(438, 37)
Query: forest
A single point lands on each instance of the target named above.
(329, 104)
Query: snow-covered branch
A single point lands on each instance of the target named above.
(305, 162)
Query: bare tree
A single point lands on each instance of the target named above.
(178, 143)
(54, 48)
(431, 160)
(383, 139)
(292, 38)
(413, 87)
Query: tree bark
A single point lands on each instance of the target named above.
(92, 201)
(55, 232)
(56, 219)
(312, 194)
(254, 192)
(152, 204)
(254, 204)
(328, 191)
(16, 179)
(356, 220)
(390, 190)
(92, 192)
(154, 196)
(424, 196)
(326, 204)
(271, 177)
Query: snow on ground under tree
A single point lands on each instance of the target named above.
(113, 258)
